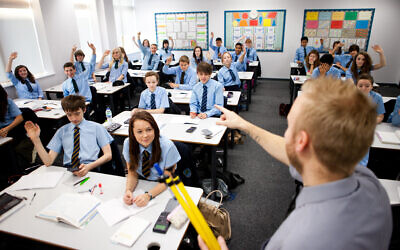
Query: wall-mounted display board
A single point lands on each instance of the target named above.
(350, 26)
(188, 29)
(266, 28)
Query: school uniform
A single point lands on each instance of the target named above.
(165, 53)
(189, 76)
(194, 63)
(122, 69)
(23, 89)
(150, 61)
(93, 137)
(333, 72)
(12, 112)
(300, 56)
(160, 98)
(169, 156)
(229, 77)
(235, 58)
(394, 117)
(82, 83)
(82, 66)
(217, 50)
(343, 59)
(145, 48)
(251, 54)
(214, 96)
(349, 73)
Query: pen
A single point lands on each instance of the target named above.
(191, 123)
(32, 198)
(91, 192)
(85, 180)
(76, 183)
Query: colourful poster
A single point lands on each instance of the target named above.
(348, 33)
(325, 15)
(312, 16)
(335, 33)
(362, 33)
(364, 15)
(312, 24)
(243, 23)
(266, 22)
(271, 15)
(336, 24)
(245, 15)
(310, 32)
(338, 15)
(236, 15)
(324, 24)
(362, 24)
(349, 24)
(253, 22)
(350, 15)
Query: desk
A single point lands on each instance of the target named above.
(384, 127)
(183, 96)
(97, 233)
(54, 113)
(5, 140)
(392, 189)
(137, 73)
(386, 98)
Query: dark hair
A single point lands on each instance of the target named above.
(201, 54)
(69, 64)
(123, 52)
(365, 68)
(184, 59)
(204, 67)
(3, 103)
(165, 41)
(365, 76)
(304, 38)
(79, 52)
(339, 51)
(73, 103)
(152, 73)
(218, 39)
(326, 58)
(31, 78)
(147, 42)
(354, 47)
(240, 44)
(134, 150)
(317, 62)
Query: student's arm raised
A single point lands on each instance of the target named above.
(71, 58)
(100, 64)
(382, 58)
(241, 58)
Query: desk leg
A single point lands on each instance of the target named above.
(248, 97)
(291, 89)
(129, 97)
(225, 160)
(112, 104)
(213, 168)
(48, 95)
(250, 88)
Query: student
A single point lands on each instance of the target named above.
(145, 147)
(118, 67)
(363, 64)
(344, 61)
(394, 117)
(145, 44)
(78, 83)
(303, 51)
(236, 54)
(124, 55)
(228, 75)
(166, 50)
(80, 65)
(311, 62)
(219, 49)
(81, 140)
(365, 83)
(251, 53)
(185, 76)
(326, 69)
(198, 57)
(154, 99)
(206, 94)
(23, 80)
(10, 115)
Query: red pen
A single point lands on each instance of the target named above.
(93, 189)
(101, 190)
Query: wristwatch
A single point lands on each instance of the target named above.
(151, 196)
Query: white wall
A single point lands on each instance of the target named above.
(275, 65)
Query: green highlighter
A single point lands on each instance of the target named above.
(85, 180)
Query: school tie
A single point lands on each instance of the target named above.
(305, 53)
(248, 52)
(218, 51)
(28, 85)
(236, 58)
(204, 100)
(146, 164)
(232, 75)
(150, 58)
(166, 51)
(182, 80)
(348, 64)
(75, 153)
(116, 64)
(76, 89)
(198, 60)
(83, 66)
(153, 101)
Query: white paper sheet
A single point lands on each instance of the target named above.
(39, 180)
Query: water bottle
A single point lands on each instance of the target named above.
(109, 116)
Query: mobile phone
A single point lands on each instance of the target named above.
(230, 94)
(162, 224)
(191, 129)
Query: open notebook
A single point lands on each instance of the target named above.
(130, 231)
(389, 137)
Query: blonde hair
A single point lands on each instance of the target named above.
(222, 57)
(340, 121)
(121, 58)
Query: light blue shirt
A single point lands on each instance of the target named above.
(161, 98)
(349, 73)
(164, 55)
(193, 62)
(12, 112)
(115, 73)
(235, 58)
(214, 96)
(169, 156)
(251, 54)
(189, 80)
(225, 78)
(377, 98)
(299, 56)
(93, 137)
(155, 60)
(79, 69)
(82, 82)
(221, 50)
(351, 213)
(343, 59)
(394, 117)
(333, 72)
(22, 89)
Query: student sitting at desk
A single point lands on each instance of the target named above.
(219, 49)
(311, 62)
(251, 53)
(166, 50)
(78, 83)
(145, 147)
(81, 140)
(145, 44)
(303, 51)
(185, 76)
(341, 60)
(154, 99)
(23, 80)
(326, 69)
(236, 54)
(394, 117)
(206, 94)
(151, 58)
(80, 65)
(363, 64)
(118, 67)
(228, 75)
(198, 57)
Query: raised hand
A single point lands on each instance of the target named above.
(32, 130)
(212, 34)
(91, 45)
(377, 48)
(13, 55)
(107, 52)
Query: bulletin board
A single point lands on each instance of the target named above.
(265, 28)
(188, 29)
(350, 26)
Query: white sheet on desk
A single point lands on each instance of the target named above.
(28, 104)
(389, 137)
(130, 231)
(181, 119)
(38, 180)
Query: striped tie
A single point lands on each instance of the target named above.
(204, 100)
(232, 75)
(75, 153)
(146, 164)
(153, 101)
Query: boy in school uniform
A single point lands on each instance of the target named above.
(341, 60)
(154, 99)
(228, 75)
(326, 69)
(251, 53)
(236, 54)
(77, 83)
(219, 49)
(185, 76)
(303, 51)
(81, 140)
(151, 58)
(206, 94)
(80, 65)
(394, 117)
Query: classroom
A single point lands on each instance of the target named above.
(289, 108)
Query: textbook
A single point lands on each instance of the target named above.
(9, 204)
(73, 209)
(389, 137)
(130, 231)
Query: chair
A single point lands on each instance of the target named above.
(115, 165)
(185, 167)
(95, 111)
(173, 108)
(389, 107)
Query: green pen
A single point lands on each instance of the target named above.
(85, 180)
